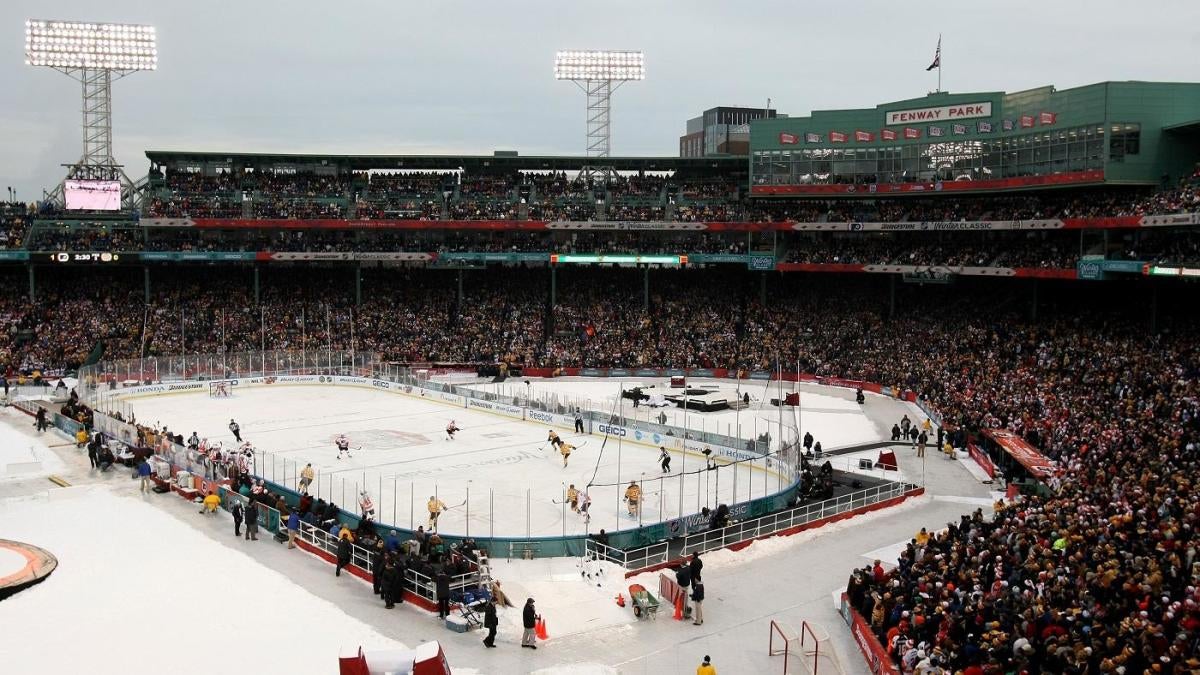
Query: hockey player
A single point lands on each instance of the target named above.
(664, 459)
(306, 478)
(585, 503)
(256, 492)
(343, 446)
(554, 439)
(565, 448)
(633, 495)
(236, 430)
(435, 506)
(573, 498)
(366, 506)
(451, 428)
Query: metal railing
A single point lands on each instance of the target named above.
(746, 530)
(638, 558)
(422, 585)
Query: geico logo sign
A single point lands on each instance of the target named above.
(181, 387)
(540, 416)
(611, 430)
(381, 384)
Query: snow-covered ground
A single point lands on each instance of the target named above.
(145, 579)
(136, 592)
(23, 455)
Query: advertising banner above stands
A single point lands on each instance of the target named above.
(200, 256)
(1094, 269)
(320, 256)
(472, 256)
(14, 256)
(623, 225)
(338, 224)
(1170, 219)
(932, 270)
(1072, 178)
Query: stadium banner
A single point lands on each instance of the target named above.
(761, 263)
(718, 258)
(624, 225)
(167, 222)
(982, 460)
(474, 256)
(1037, 464)
(961, 111)
(196, 256)
(1171, 219)
(878, 661)
(954, 225)
(1045, 273)
(1070, 178)
(322, 256)
(339, 224)
(14, 256)
(1090, 270)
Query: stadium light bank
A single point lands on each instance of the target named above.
(94, 54)
(599, 73)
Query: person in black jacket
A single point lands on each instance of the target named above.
(529, 621)
(683, 577)
(239, 515)
(696, 565)
(344, 549)
(388, 581)
(377, 568)
(698, 603)
(252, 520)
(490, 622)
(443, 594)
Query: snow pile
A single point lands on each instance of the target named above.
(569, 603)
(23, 453)
(135, 589)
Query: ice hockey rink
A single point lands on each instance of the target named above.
(498, 476)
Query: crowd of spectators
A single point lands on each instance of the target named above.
(627, 197)
(1049, 249)
(1100, 576)
(14, 224)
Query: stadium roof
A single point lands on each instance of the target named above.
(478, 163)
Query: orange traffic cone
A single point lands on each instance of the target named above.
(679, 607)
(540, 629)
(620, 600)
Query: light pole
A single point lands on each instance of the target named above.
(94, 54)
(599, 73)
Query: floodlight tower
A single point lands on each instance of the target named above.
(93, 54)
(595, 72)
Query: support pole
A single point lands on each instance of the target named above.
(358, 285)
(146, 284)
(32, 288)
(257, 289)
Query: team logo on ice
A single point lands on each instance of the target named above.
(384, 439)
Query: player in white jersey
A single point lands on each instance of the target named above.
(451, 428)
(343, 446)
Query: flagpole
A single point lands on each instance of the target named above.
(939, 63)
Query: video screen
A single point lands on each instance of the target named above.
(93, 195)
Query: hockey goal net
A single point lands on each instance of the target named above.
(809, 648)
(220, 388)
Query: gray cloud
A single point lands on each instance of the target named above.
(455, 76)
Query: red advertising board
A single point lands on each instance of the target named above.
(982, 460)
(1038, 465)
(877, 658)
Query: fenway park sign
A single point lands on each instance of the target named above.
(961, 111)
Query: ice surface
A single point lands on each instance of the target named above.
(498, 476)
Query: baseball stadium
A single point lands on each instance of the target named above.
(905, 388)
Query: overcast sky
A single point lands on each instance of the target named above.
(473, 77)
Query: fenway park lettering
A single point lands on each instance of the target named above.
(961, 111)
